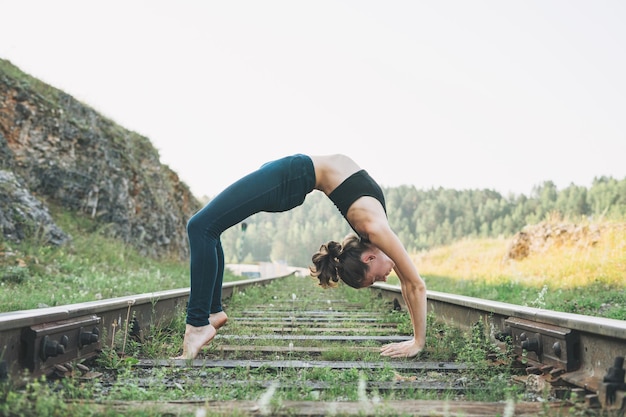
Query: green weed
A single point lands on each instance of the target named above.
(91, 267)
(43, 397)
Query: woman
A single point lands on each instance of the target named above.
(280, 186)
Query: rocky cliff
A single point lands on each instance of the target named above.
(54, 149)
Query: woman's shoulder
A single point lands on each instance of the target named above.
(367, 215)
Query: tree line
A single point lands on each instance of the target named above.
(421, 218)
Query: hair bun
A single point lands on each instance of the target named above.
(334, 248)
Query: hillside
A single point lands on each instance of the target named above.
(56, 150)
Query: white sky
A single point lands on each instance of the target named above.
(452, 93)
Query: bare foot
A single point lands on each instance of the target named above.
(195, 339)
(218, 319)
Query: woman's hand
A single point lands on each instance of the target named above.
(406, 349)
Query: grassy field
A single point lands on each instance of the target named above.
(587, 277)
(92, 267)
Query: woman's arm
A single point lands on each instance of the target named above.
(412, 286)
(368, 217)
(414, 293)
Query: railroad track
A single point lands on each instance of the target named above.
(306, 351)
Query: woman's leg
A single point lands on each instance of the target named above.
(218, 317)
(206, 254)
(230, 207)
(216, 301)
(204, 266)
(277, 186)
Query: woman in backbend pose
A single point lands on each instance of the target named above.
(359, 261)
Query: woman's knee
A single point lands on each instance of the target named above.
(196, 224)
(202, 226)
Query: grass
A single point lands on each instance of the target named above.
(92, 267)
(583, 276)
(567, 265)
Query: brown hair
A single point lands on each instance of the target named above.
(337, 260)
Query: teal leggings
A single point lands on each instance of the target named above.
(277, 186)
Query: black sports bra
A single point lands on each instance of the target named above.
(357, 185)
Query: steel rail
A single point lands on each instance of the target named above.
(584, 351)
(579, 350)
(37, 340)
